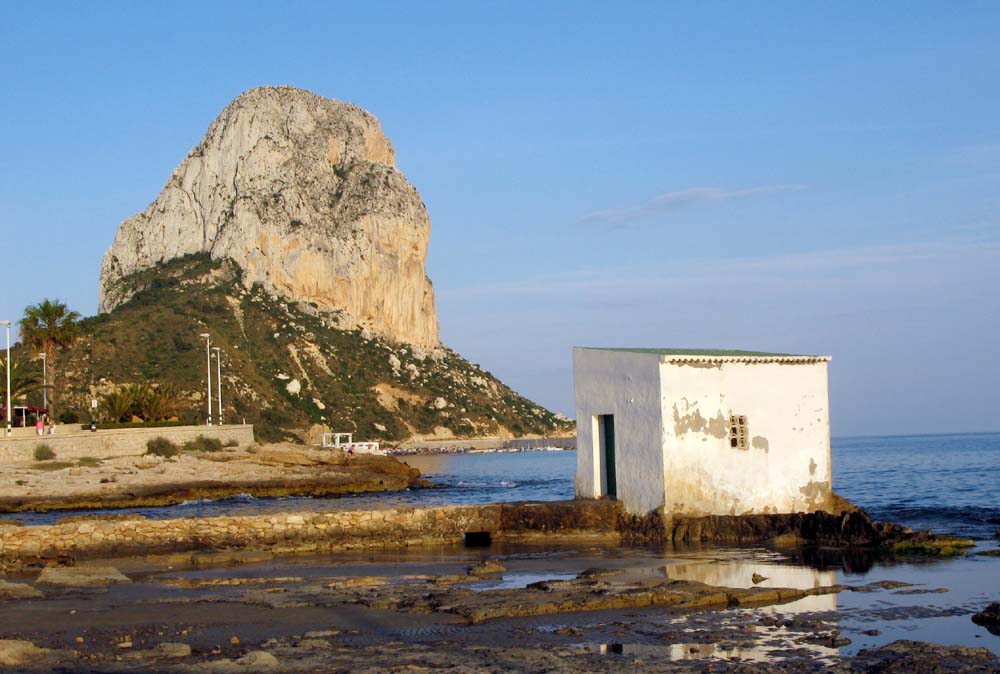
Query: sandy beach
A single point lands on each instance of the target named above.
(267, 470)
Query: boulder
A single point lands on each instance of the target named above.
(81, 576)
(258, 661)
(915, 657)
(487, 567)
(254, 661)
(314, 436)
(17, 591)
(169, 649)
(16, 653)
(989, 616)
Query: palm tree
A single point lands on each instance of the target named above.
(160, 402)
(138, 393)
(25, 378)
(47, 326)
(117, 405)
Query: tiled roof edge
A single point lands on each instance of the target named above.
(742, 359)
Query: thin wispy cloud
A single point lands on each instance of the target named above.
(673, 201)
(976, 154)
(831, 266)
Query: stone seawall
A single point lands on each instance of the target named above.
(109, 443)
(305, 531)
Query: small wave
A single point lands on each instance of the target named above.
(472, 483)
(965, 513)
(507, 484)
(196, 501)
(236, 498)
(970, 521)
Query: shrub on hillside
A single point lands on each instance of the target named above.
(44, 453)
(203, 444)
(161, 446)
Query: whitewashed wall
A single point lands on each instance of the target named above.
(787, 465)
(626, 385)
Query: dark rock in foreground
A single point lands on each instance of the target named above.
(850, 527)
(916, 657)
(989, 616)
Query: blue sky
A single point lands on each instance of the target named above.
(807, 177)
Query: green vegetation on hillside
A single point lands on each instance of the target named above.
(282, 368)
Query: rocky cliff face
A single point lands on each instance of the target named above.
(303, 194)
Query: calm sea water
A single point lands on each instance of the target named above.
(948, 483)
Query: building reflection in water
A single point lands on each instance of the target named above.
(718, 569)
(740, 573)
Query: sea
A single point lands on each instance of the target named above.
(947, 483)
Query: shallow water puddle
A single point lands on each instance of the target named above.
(517, 581)
(701, 651)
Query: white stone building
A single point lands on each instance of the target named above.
(703, 431)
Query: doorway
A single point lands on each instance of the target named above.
(606, 442)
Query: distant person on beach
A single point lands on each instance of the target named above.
(39, 425)
(52, 427)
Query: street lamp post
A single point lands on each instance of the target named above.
(208, 367)
(7, 362)
(218, 378)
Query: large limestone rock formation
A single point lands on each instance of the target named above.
(303, 194)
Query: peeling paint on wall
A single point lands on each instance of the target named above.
(760, 442)
(817, 494)
(812, 466)
(718, 426)
(693, 422)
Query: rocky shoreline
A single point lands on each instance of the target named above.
(89, 537)
(564, 586)
(454, 610)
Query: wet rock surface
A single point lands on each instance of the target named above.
(581, 594)
(848, 527)
(814, 535)
(17, 591)
(914, 657)
(553, 609)
(584, 604)
(301, 531)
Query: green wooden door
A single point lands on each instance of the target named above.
(607, 428)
